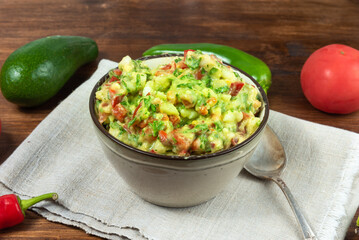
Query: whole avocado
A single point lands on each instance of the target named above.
(38, 70)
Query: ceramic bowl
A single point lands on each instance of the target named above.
(176, 181)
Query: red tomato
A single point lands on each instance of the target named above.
(118, 72)
(113, 79)
(116, 100)
(119, 112)
(162, 135)
(167, 67)
(186, 51)
(235, 88)
(330, 79)
(198, 74)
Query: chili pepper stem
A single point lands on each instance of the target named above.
(25, 204)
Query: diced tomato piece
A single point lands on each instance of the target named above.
(182, 65)
(138, 107)
(165, 117)
(143, 124)
(153, 151)
(198, 74)
(187, 103)
(162, 135)
(102, 117)
(212, 101)
(174, 119)
(118, 72)
(203, 110)
(186, 52)
(245, 115)
(119, 112)
(182, 153)
(148, 134)
(234, 141)
(167, 67)
(235, 88)
(116, 100)
(196, 145)
(182, 142)
(113, 79)
(112, 91)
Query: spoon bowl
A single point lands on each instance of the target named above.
(269, 159)
(268, 162)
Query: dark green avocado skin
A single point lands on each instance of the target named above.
(38, 70)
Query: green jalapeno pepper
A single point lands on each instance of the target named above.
(242, 60)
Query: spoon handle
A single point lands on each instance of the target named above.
(306, 229)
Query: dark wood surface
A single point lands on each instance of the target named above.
(282, 33)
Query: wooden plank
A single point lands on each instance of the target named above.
(281, 33)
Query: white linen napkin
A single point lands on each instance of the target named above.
(63, 155)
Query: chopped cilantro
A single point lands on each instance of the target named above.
(156, 127)
(248, 107)
(218, 126)
(98, 102)
(115, 125)
(204, 143)
(122, 130)
(125, 85)
(133, 138)
(187, 76)
(176, 72)
(147, 101)
(138, 81)
(182, 122)
(201, 100)
(212, 71)
(208, 81)
(200, 128)
(153, 108)
(186, 85)
(222, 89)
(124, 103)
(192, 62)
(132, 121)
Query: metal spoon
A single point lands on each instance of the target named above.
(267, 162)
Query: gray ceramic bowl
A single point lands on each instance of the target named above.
(176, 181)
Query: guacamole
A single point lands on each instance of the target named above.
(193, 105)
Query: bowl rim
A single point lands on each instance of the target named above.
(175, 157)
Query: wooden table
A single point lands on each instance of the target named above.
(282, 33)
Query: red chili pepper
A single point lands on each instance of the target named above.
(12, 208)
